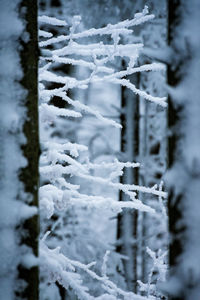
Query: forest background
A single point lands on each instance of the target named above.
(103, 230)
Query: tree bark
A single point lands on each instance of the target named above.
(29, 175)
(127, 221)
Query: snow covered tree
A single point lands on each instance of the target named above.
(56, 192)
(19, 150)
(184, 155)
(152, 230)
(135, 119)
(61, 158)
(143, 139)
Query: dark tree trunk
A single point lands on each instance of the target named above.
(29, 175)
(173, 119)
(127, 221)
(184, 158)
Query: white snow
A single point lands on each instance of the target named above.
(56, 166)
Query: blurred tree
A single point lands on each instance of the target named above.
(184, 142)
(19, 180)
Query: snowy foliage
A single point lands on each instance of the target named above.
(61, 159)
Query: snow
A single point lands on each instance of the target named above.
(79, 62)
(143, 94)
(49, 113)
(56, 263)
(51, 21)
(45, 33)
(57, 195)
(120, 28)
(60, 194)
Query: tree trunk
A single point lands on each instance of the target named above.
(20, 150)
(184, 148)
(127, 221)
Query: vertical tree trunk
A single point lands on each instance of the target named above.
(127, 221)
(20, 150)
(142, 218)
(29, 174)
(184, 149)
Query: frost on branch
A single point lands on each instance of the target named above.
(63, 270)
(61, 159)
(159, 266)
